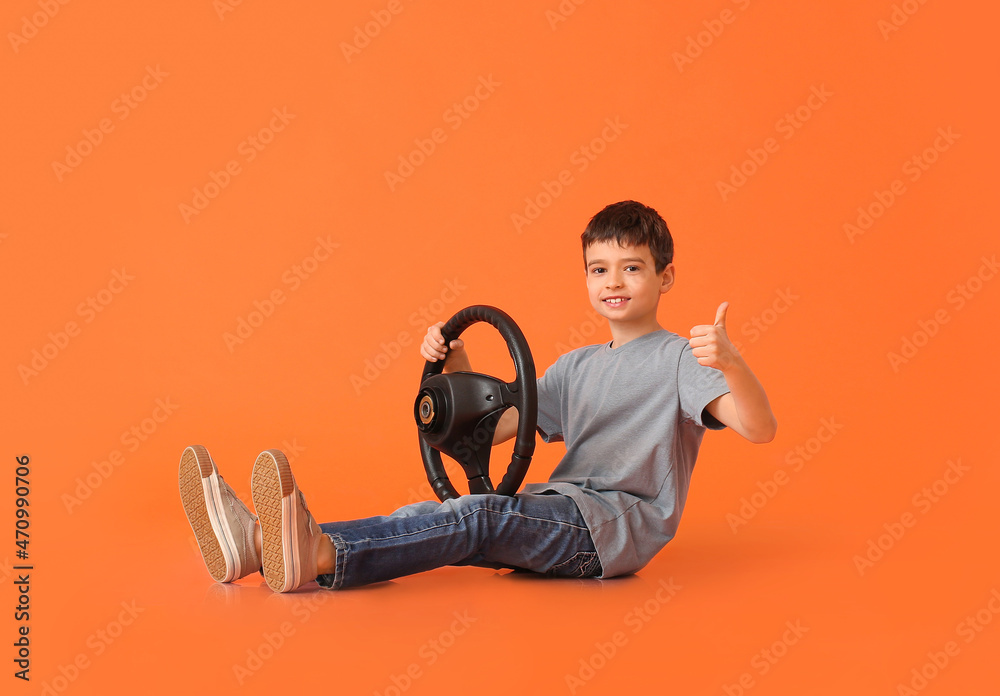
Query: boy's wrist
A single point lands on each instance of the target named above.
(457, 360)
(733, 364)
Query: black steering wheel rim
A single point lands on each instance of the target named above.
(483, 399)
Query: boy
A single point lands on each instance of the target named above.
(631, 412)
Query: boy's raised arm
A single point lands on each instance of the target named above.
(745, 408)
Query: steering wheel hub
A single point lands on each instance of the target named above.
(426, 410)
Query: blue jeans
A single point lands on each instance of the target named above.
(543, 533)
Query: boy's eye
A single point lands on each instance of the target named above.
(631, 268)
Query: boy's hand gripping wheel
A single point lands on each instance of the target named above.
(457, 413)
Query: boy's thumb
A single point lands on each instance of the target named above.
(720, 315)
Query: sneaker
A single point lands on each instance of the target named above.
(290, 535)
(222, 523)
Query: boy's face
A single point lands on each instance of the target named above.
(623, 283)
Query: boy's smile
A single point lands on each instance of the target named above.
(625, 288)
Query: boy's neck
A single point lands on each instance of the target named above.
(623, 332)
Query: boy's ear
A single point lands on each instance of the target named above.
(667, 278)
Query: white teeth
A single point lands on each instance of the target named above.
(615, 300)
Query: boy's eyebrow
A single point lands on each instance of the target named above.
(629, 259)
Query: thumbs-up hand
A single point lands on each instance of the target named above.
(711, 345)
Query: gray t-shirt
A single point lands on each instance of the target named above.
(632, 419)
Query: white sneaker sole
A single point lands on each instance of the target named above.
(202, 498)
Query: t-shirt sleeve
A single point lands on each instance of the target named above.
(550, 425)
(698, 386)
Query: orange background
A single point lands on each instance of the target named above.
(824, 355)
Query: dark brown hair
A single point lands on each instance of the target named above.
(631, 224)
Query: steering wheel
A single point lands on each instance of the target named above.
(457, 413)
